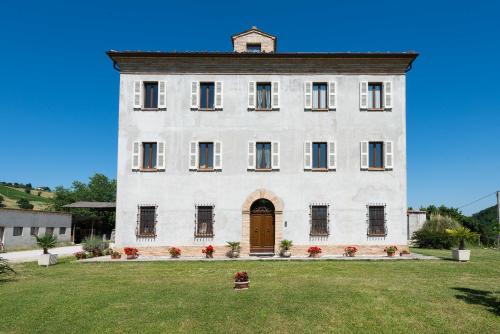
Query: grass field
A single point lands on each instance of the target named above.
(12, 195)
(284, 297)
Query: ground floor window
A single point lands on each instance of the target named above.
(204, 221)
(18, 231)
(34, 231)
(49, 231)
(319, 220)
(62, 230)
(376, 220)
(146, 221)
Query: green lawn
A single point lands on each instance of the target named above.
(285, 297)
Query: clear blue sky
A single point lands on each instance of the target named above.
(59, 92)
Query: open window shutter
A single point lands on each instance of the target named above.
(251, 95)
(195, 88)
(389, 155)
(162, 94)
(160, 155)
(136, 153)
(193, 155)
(332, 95)
(218, 155)
(218, 95)
(364, 155)
(275, 89)
(307, 155)
(275, 155)
(363, 95)
(137, 94)
(388, 95)
(251, 155)
(307, 95)
(332, 155)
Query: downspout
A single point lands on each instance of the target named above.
(116, 66)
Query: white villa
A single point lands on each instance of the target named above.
(256, 145)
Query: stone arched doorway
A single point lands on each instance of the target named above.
(262, 227)
(263, 202)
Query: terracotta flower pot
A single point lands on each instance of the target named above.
(351, 254)
(209, 256)
(315, 255)
(116, 257)
(241, 285)
(131, 257)
(391, 254)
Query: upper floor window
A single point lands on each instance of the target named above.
(147, 221)
(207, 94)
(375, 154)
(375, 96)
(149, 155)
(376, 220)
(151, 95)
(18, 231)
(263, 96)
(206, 156)
(263, 156)
(319, 220)
(254, 47)
(204, 221)
(319, 155)
(319, 96)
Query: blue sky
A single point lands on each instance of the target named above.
(59, 92)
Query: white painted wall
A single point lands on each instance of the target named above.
(176, 191)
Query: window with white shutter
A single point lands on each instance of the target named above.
(276, 95)
(389, 155)
(364, 154)
(218, 95)
(307, 155)
(388, 95)
(136, 152)
(275, 155)
(363, 95)
(193, 155)
(332, 156)
(307, 95)
(251, 155)
(160, 156)
(251, 94)
(137, 94)
(332, 95)
(162, 95)
(218, 155)
(195, 87)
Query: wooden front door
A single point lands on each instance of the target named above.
(262, 233)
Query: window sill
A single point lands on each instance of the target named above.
(319, 235)
(152, 235)
(202, 236)
(263, 169)
(150, 109)
(376, 169)
(206, 170)
(377, 235)
(319, 169)
(148, 170)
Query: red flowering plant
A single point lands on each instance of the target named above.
(350, 250)
(208, 251)
(131, 251)
(241, 276)
(391, 250)
(174, 251)
(314, 250)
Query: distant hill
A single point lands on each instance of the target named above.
(487, 221)
(11, 195)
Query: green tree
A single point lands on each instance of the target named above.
(23, 203)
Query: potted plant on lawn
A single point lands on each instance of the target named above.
(285, 246)
(208, 251)
(46, 242)
(132, 253)
(116, 255)
(175, 252)
(461, 234)
(234, 249)
(391, 250)
(314, 251)
(241, 281)
(350, 251)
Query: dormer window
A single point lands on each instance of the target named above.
(254, 47)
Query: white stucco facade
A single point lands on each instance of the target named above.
(176, 190)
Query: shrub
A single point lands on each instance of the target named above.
(433, 233)
(286, 245)
(131, 251)
(209, 250)
(80, 255)
(241, 276)
(23, 203)
(46, 242)
(461, 235)
(174, 251)
(392, 249)
(95, 245)
(350, 250)
(4, 267)
(314, 250)
(234, 249)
